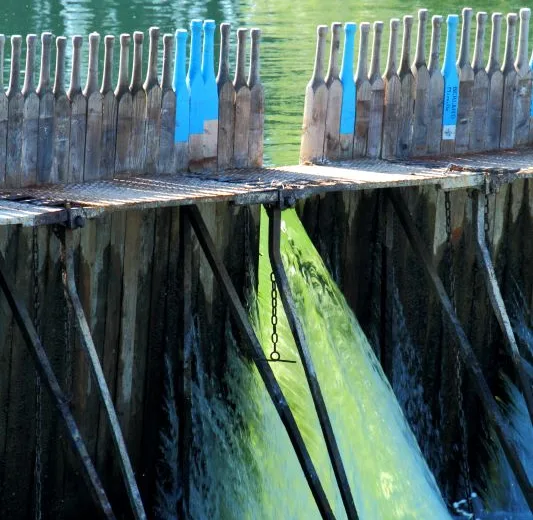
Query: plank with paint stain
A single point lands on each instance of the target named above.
(436, 90)
(210, 138)
(182, 111)
(353, 94)
(195, 83)
(377, 95)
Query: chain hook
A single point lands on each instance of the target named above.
(275, 356)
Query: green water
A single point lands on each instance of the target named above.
(288, 37)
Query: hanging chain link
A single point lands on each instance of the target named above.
(274, 355)
(38, 387)
(465, 466)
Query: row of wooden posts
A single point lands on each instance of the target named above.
(417, 108)
(188, 120)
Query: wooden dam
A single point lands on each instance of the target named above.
(130, 209)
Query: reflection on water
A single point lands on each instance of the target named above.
(288, 37)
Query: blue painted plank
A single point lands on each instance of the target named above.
(195, 81)
(348, 114)
(208, 72)
(451, 81)
(181, 88)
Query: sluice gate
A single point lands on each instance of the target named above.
(101, 190)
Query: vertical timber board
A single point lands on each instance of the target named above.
(421, 78)
(524, 79)
(4, 106)
(210, 136)
(478, 137)
(257, 105)
(124, 109)
(226, 103)
(363, 97)
(510, 80)
(153, 106)
(242, 104)
(62, 112)
(109, 114)
(166, 162)
(466, 87)
(45, 144)
(182, 92)
(334, 86)
(436, 90)
(494, 115)
(78, 116)
(315, 106)
(95, 108)
(407, 93)
(136, 143)
(15, 118)
(391, 104)
(195, 83)
(377, 96)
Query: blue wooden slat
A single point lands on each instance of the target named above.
(181, 88)
(451, 81)
(348, 82)
(208, 72)
(195, 80)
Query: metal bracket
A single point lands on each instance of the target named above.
(98, 374)
(468, 356)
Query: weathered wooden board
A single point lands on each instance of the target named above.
(524, 82)
(242, 104)
(391, 104)
(109, 114)
(210, 137)
(315, 106)
(407, 93)
(166, 163)
(195, 84)
(363, 91)
(436, 90)
(377, 95)
(335, 98)
(480, 105)
(494, 112)
(257, 105)
(4, 107)
(510, 83)
(182, 110)
(136, 141)
(124, 109)
(45, 144)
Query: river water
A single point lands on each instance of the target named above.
(288, 27)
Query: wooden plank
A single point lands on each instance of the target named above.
(109, 114)
(15, 118)
(421, 78)
(524, 79)
(451, 88)
(78, 116)
(466, 87)
(153, 105)
(494, 113)
(480, 106)
(363, 92)
(257, 104)
(124, 108)
(335, 96)
(136, 142)
(211, 97)
(62, 113)
(391, 104)
(226, 103)
(316, 98)
(350, 91)
(95, 112)
(377, 96)
(183, 103)
(510, 83)
(4, 107)
(407, 93)
(195, 82)
(166, 162)
(45, 146)
(242, 104)
(436, 89)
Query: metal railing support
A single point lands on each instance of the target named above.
(496, 299)
(59, 399)
(468, 356)
(98, 374)
(241, 319)
(274, 251)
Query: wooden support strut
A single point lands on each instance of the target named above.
(466, 352)
(274, 232)
(241, 319)
(496, 299)
(60, 400)
(96, 368)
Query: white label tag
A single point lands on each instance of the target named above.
(448, 132)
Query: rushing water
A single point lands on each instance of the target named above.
(288, 37)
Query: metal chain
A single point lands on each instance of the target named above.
(465, 466)
(274, 355)
(38, 388)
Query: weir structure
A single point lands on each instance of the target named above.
(101, 189)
